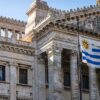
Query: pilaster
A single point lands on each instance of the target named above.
(74, 76)
(13, 79)
(55, 74)
(41, 78)
(35, 89)
(14, 36)
(6, 32)
(39, 89)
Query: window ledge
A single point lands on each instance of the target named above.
(67, 88)
(25, 85)
(85, 90)
(4, 82)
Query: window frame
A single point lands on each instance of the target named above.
(3, 73)
(25, 82)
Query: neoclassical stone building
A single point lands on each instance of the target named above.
(38, 58)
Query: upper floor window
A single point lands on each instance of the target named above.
(9, 33)
(3, 34)
(45, 58)
(85, 77)
(66, 68)
(85, 82)
(2, 73)
(23, 34)
(18, 36)
(23, 74)
(66, 79)
(98, 78)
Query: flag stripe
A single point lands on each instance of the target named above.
(90, 61)
(95, 50)
(90, 55)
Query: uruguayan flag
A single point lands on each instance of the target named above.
(90, 52)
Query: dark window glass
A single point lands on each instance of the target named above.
(23, 76)
(45, 58)
(2, 73)
(66, 79)
(85, 79)
(98, 78)
(46, 75)
(85, 76)
(66, 68)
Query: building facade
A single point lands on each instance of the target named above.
(38, 58)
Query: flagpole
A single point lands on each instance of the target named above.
(79, 61)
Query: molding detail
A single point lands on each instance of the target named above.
(17, 49)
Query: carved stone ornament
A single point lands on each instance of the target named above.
(40, 59)
(17, 49)
(13, 63)
(54, 49)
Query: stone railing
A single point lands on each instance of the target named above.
(14, 41)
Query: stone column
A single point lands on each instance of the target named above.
(20, 35)
(74, 76)
(13, 79)
(35, 82)
(6, 33)
(14, 36)
(41, 78)
(55, 74)
(93, 83)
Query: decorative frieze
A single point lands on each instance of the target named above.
(17, 49)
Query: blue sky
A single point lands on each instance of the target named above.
(17, 8)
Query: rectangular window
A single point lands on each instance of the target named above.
(66, 68)
(85, 76)
(45, 57)
(23, 76)
(9, 33)
(46, 76)
(66, 79)
(85, 81)
(3, 34)
(2, 73)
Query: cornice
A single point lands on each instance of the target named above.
(66, 29)
(25, 50)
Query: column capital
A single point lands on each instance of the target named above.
(13, 64)
(54, 49)
(40, 59)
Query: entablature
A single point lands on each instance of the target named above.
(67, 29)
(17, 48)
